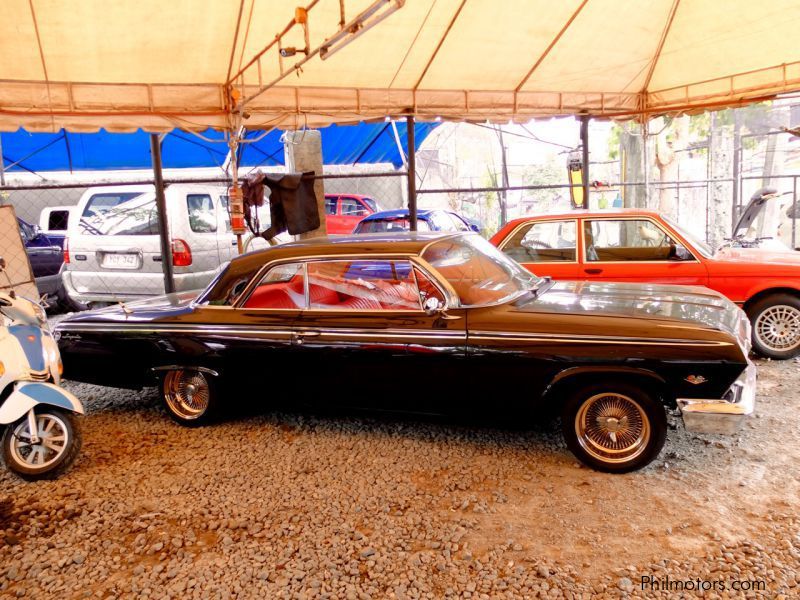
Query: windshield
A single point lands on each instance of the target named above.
(126, 213)
(700, 246)
(479, 272)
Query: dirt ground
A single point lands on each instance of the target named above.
(278, 505)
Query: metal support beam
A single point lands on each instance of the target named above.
(2, 164)
(585, 158)
(161, 207)
(412, 174)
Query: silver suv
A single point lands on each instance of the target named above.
(113, 252)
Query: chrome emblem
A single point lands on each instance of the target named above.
(696, 379)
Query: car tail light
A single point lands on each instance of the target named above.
(181, 253)
(66, 251)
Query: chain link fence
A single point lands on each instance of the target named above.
(94, 244)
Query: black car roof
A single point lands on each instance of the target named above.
(245, 266)
(404, 242)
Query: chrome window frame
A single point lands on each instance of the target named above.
(533, 222)
(451, 298)
(667, 231)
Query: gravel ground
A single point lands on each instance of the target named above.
(278, 505)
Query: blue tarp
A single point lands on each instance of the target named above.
(341, 145)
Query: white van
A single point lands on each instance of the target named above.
(113, 253)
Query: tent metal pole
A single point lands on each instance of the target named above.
(161, 206)
(2, 164)
(412, 174)
(585, 158)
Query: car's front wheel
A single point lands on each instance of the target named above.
(776, 326)
(189, 396)
(614, 427)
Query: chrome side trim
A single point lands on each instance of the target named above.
(186, 367)
(254, 331)
(591, 339)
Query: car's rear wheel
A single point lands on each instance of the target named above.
(189, 396)
(614, 427)
(776, 326)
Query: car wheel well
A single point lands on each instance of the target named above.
(769, 292)
(568, 384)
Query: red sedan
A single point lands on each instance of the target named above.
(646, 247)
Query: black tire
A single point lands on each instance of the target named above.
(637, 416)
(769, 333)
(190, 407)
(61, 464)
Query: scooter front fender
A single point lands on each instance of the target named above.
(28, 394)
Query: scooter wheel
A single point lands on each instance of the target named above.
(59, 444)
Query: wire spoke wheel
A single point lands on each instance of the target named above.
(778, 327)
(187, 393)
(54, 439)
(612, 428)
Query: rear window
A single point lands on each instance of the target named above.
(389, 226)
(202, 217)
(371, 203)
(124, 213)
(57, 220)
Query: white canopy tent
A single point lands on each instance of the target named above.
(158, 65)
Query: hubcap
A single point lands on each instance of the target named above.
(186, 393)
(778, 327)
(612, 427)
(53, 441)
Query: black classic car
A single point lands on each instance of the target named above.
(431, 323)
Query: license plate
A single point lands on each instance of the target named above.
(121, 261)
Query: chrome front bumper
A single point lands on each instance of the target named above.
(724, 415)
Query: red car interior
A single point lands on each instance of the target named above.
(289, 295)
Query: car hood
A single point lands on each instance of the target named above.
(759, 255)
(687, 305)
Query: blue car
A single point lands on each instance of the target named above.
(387, 221)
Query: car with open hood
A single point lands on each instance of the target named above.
(431, 323)
(641, 246)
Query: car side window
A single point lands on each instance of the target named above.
(282, 287)
(330, 205)
(357, 285)
(621, 240)
(440, 222)
(202, 217)
(427, 289)
(224, 204)
(353, 208)
(544, 241)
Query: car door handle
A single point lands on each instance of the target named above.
(234, 242)
(593, 271)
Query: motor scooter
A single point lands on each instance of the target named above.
(41, 436)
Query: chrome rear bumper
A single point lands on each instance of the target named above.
(725, 415)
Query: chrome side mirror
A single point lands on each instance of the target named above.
(432, 305)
